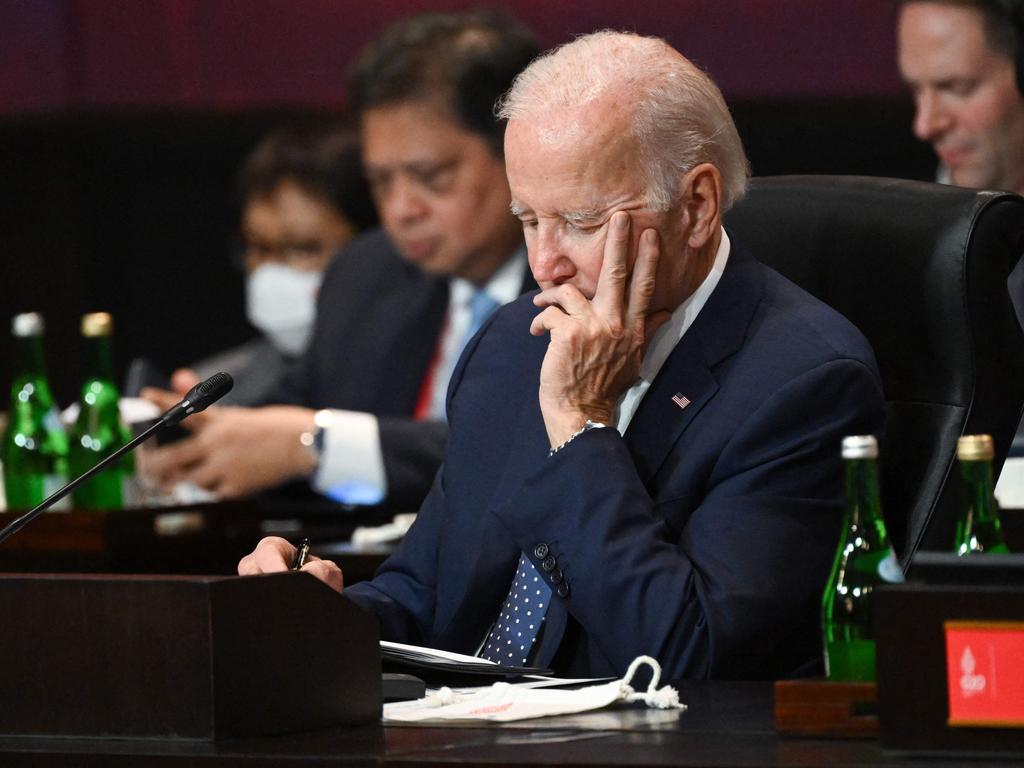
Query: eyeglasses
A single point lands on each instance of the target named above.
(308, 255)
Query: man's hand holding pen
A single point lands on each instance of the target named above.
(274, 555)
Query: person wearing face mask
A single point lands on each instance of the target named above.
(303, 197)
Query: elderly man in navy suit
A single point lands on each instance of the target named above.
(644, 455)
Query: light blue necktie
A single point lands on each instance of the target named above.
(481, 306)
(518, 625)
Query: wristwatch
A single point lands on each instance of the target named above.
(313, 440)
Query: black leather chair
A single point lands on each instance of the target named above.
(922, 270)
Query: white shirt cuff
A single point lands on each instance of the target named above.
(352, 465)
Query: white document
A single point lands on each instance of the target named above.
(434, 655)
(1010, 488)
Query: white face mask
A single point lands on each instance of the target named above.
(281, 302)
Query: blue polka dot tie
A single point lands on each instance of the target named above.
(515, 632)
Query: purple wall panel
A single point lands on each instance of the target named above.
(32, 55)
(755, 49)
(234, 54)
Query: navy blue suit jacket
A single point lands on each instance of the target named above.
(703, 537)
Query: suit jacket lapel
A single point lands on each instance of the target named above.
(688, 372)
(422, 303)
(660, 420)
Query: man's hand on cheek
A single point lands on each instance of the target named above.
(596, 346)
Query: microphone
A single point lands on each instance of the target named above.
(200, 397)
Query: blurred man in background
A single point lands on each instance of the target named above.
(964, 61)
(365, 420)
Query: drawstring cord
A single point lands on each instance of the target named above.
(663, 698)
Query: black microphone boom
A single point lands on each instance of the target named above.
(198, 398)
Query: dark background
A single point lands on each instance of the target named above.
(122, 123)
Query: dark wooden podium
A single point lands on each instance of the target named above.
(182, 657)
(913, 668)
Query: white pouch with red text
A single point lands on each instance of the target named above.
(504, 702)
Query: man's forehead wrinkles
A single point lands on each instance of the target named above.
(602, 207)
(583, 214)
(577, 212)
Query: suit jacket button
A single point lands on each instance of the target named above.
(549, 564)
(556, 576)
(540, 551)
(563, 589)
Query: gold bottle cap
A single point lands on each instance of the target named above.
(975, 448)
(860, 447)
(97, 324)
(27, 324)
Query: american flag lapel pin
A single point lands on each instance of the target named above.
(680, 399)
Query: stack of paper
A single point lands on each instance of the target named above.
(446, 661)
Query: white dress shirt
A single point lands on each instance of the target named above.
(668, 336)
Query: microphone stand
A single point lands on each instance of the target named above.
(16, 525)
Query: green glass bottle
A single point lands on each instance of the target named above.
(35, 446)
(99, 431)
(864, 560)
(978, 530)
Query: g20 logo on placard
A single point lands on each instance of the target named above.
(985, 673)
(970, 683)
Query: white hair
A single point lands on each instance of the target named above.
(680, 119)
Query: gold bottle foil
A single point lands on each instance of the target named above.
(97, 324)
(975, 448)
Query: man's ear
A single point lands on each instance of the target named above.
(702, 188)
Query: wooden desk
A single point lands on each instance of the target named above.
(727, 724)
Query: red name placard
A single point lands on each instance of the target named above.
(985, 673)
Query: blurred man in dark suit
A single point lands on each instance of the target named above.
(366, 402)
